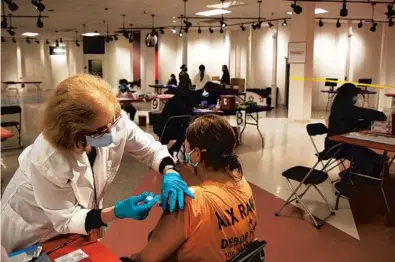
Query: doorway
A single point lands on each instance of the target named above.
(95, 67)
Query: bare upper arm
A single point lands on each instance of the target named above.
(167, 237)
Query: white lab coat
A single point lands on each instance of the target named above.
(52, 191)
(200, 84)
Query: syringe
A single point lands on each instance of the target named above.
(149, 198)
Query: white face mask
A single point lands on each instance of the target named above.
(102, 141)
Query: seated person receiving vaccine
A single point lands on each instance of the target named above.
(124, 90)
(221, 220)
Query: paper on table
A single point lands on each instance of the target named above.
(372, 138)
(74, 256)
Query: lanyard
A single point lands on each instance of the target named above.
(91, 157)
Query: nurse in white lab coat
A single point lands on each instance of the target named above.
(201, 79)
(55, 191)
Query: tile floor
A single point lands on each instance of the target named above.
(286, 144)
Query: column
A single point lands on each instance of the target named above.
(147, 64)
(274, 69)
(383, 70)
(300, 92)
(348, 58)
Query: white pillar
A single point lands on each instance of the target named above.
(147, 64)
(185, 49)
(274, 69)
(249, 59)
(348, 58)
(383, 69)
(300, 92)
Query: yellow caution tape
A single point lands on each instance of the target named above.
(297, 78)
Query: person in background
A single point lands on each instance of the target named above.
(225, 79)
(184, 80)
(345, 117)
(201, 79)
(222, 218)
(63, 176)
(172, 80)
(123, 91)
(183, 103)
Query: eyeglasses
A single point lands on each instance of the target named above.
(101, 131)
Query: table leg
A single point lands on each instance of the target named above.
(385, 182)
(245, 124)
(259, 131)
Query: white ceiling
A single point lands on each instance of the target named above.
(69, 15)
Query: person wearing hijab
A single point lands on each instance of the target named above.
(172, 80)
(183, 77)
(345, 117)
(225, 79)
(202, 78)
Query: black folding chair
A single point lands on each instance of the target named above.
(309, 177)
(179, 123)
(11, 110)
(254, 252)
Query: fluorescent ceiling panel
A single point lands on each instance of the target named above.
(214, 12)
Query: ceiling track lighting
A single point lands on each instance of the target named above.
(131, 37)
(28, 40)
(151, 39)
(37, 41)
(320, 23)
(390, 11)
(242, 28)
(180, 34)
(390, 22)
(211, 30)
(11, 5)
(14, 40)
(9, 30)
(338, 24)
(199, 30)
(374, 24)
(39, 22)
(186, 29)
(221, 30)
(124, 32)
(360, 24)
(4, 23)
(47, 42)
(2, 39)
(162, 30)
(253, 26)
(344, 10)
(270, 24)
(284, 24)
(39, 6)
(296, 8)
(57, 43)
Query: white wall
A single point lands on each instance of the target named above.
(169, 59)
(282, 52)
(330, 55)
(211, 50)
(238, 54)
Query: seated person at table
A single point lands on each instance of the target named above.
(172, 80)
(225, 79)
(221, 219)
(345, 117)
(201, 79)
(182, 103)
(125, 90)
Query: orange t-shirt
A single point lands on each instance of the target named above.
(219, 222)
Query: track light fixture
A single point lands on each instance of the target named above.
(4, 23)
(39, 22)
(259, 25)
(360, 24)
(11, 5)
(284, 24)
(61, 40)
(14, 40)
(199, 30)
(221, 30)
(320, 23)
(47, 42)
(187, 23)
(2, 39)
(338, 24)
(390, 11)
(131, 38)
(222, 23)
(12, 33)
(180, 34)
(373, 27)
(390, 22)
(28, 40)
(270, 24)
(115, 37)
(39, 6)
(211, 30)
(37, 41)
(162, 31)
(242, 28)
(56, 43)
(344, 10)
(253, 26)
(186, 29)
(296, 8)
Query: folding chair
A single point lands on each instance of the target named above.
(317, 129)
(181, 123)
(310, 177)
(11, 110)
(254, 252)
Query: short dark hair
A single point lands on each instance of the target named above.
(123, 81)
(216, 137)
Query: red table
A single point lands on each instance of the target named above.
(96, 251)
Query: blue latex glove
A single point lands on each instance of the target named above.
(175, 186)
(132, 208)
